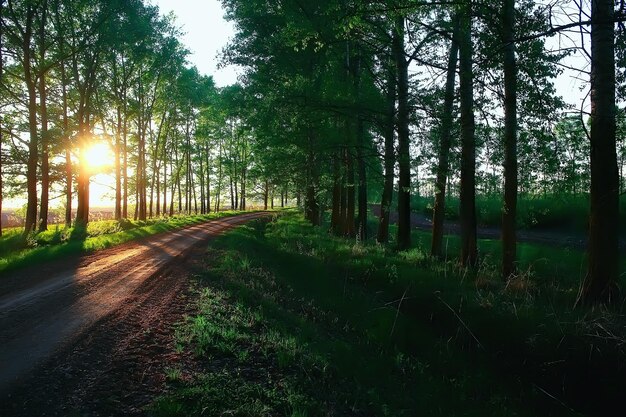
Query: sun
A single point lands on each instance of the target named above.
(98, 156)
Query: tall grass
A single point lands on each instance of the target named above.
(327, 326)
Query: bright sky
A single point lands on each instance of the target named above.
(206, 33)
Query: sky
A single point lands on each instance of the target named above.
(206, 33)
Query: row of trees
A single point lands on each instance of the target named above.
(75, 73)
(355, 95)
(338, 98)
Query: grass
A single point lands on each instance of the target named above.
(17, 251)
(294, 322)
(565, 212)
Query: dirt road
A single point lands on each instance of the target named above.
(63, 326)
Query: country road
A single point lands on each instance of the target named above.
(48, 311)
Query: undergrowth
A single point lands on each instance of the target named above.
(563, 212)
(292, 321)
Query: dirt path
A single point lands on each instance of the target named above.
(85, 330)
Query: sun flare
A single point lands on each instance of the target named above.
(98, 156)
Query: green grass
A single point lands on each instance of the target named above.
(294, 322)
(17, 251)
(568, 213)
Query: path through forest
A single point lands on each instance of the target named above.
(79, 330)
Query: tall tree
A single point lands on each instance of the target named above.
(22, 20)
(509, 211)
(600, 283)
(43, 117)
(445, 133)
(1, 114)
(469, 248)
(404, 158)
(390, 156)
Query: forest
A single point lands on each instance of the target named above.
(363, 118)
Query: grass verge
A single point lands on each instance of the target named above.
(294, 322)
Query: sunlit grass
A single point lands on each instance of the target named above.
(17, 251)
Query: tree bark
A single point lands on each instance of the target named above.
(351, 201)
(43, 110)
(33, 156)
(469, 249)
(404, 159)
(343, 210)
(443, 164)
(1, 114)
(208, 178)
(312, 213)
(165, 160)
(68, 151)
(509, 212)
(335, 221)
(118, 165)
(390, 157)
(600, 283)
(362, 171)
(125, 151)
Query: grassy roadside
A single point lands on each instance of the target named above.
(294, 322)
(17, 251)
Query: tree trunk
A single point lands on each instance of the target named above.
(343, 212)
(31, 167)
(1, 138)
(443, 164)
(118, 165)
(125, 158)
(600, 283)
(335, 221)
(1, 115)
(165, 182)
(351, 201)
(312, 212)
(68, 151)
(404, 159)
(208, 179)
(202, 189)
(82, 212)
(43, 110)
(220, 178)
(362, 194)
(193, 190)
(469, 250)
(390, 156)
(509, 212)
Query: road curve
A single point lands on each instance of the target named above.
(48, 309)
